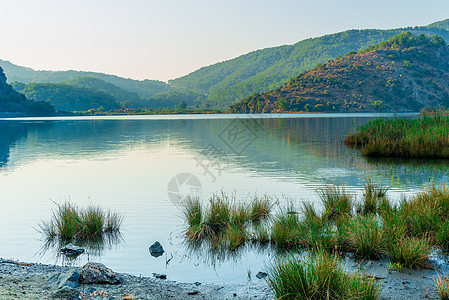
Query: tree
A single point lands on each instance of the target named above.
(182, 105)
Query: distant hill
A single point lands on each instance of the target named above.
(227, 82)
(65, 97)
(262, 70)
(143, 88)
(127, 99)
(14, 102)
(405, 73)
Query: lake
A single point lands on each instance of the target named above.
(141, 166)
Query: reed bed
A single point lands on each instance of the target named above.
(425, 137)
(370, 227)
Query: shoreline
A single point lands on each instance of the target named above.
(31, 281)
(20, 280)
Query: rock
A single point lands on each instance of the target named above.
(159, 276)
(72, 250)
(261, 275)
(67, 293)
(69, 278)
(156, 249)
(99, 273)
(193, 293)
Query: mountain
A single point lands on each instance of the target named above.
(14, 102)
(144, 88)
(262, 70)
(128, 99)
(67, 97)
(228, 82)
(404, 73)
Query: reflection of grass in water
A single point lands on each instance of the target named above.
(94, 246)
(208, 254)
(404, 172)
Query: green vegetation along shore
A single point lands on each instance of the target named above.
(371, 227)
(425, 137)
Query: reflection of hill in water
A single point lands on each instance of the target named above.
(306, 147)
(12, 133)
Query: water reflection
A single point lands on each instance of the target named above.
(205, 254)
(305, 149)
(94, 247)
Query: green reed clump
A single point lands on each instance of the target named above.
(70, 222)
(426, 137)
(442, 236)
(374, 197)
(319, 276)
(219, 213)
(409, 252)
(336, 201)
(442, 285)
(193, 214)
(365, 236)
(225, 222)
(236, 235)
(261, 207)
(314, 232)
(285, 230)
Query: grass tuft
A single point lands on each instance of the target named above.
(70, 222)
(261, 208)
(365, 236)
(409, 252)
(320, 276)
(336, 201)
(442, 285)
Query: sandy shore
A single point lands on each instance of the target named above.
(18, 281)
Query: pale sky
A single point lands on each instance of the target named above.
(166, 39)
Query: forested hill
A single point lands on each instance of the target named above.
(259, 71)
(143, 88)
(14, 102)
(405, 73)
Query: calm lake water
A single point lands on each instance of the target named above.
(131, 164)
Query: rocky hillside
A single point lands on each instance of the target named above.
(263, 70)
(14, 102)
(404, 73)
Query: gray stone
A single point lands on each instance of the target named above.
(156, 249)
(99, 273)
(66, 293)
(72, 250)
(159, 276)
(261, 275)
(69, 278)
